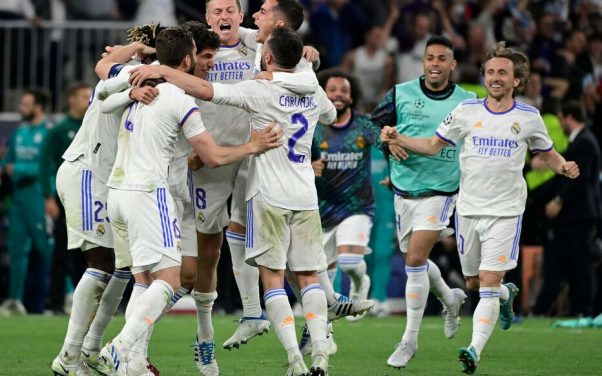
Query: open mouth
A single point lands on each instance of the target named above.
(225, 27)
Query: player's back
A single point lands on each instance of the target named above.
(284, 175)
(96, 141)
(147, 137)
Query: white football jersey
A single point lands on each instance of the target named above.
(283, 175)
(493, 155)
(178, 170)
(227, 125)
(95, 143)
(147, 138)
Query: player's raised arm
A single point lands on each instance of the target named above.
(192, 85)
(120, 56)
(426, 146)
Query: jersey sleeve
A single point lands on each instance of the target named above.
(328, 113)
(371, 132)
(9, 157)
(384, 113)
(189, 117)
(247, 95)
(540, 139)
(452, 128)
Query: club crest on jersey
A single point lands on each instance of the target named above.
(179, 246)
(243, 50)
(201, 217)
(100, 230)
(515, 128)
(419, 103)
(448, 119)
(360, 141)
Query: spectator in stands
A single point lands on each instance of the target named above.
(59, 138)
(409, 63)
(337, 26)
(372, 65)
(574, 212)
(27, 221)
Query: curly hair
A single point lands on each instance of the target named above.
(356, 91)
(519, 59)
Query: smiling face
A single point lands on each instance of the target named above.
(500, 81)
(438, 63)
(204, 62)
(267, 19)
(338, 90)
(224, 17)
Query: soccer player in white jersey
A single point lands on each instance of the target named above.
(495, 133)
(213, 187)
(289, 14)
(81, 183)
(147, 239)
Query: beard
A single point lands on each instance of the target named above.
(262, 64)
(28, 117)
(191, 68)
(342, 110)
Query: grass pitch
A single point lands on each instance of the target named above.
(29, 344)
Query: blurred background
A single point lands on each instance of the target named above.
(54, 45)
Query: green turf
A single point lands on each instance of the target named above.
(28, 345)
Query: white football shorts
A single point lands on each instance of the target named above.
(354, 230)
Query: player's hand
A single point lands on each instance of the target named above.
(386, 182)
(139, 74)
(569, 169)
(553, 208)
(310, 54)
(318, 166)
(388, 134)
(145, 51)
(399, 153)
(144, 94)
(195, 162)
(109, 49)
(266, 139)
(52, 208)
(264, 75)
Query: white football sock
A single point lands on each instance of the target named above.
(109, 302)
(354, 265)
(204, 306)
(417, 291)
(485, 316)
(148, 308)
(281, 316)
(247, 276)
(438, 286)
(326, 279)
(86, 299)
(314, 309)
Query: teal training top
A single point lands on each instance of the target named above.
(417, 111)
(24, 152)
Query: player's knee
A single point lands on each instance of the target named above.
(415, 259)
(472, 283)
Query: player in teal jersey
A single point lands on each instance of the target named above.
(27, 221)
(341, 154)
(425, 187)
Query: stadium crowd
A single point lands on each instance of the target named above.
(374, 45)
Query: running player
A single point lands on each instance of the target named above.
(425, 188)
(496, 133)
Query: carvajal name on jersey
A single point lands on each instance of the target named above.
(342, 161)
(296, 101)
(495, 147)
